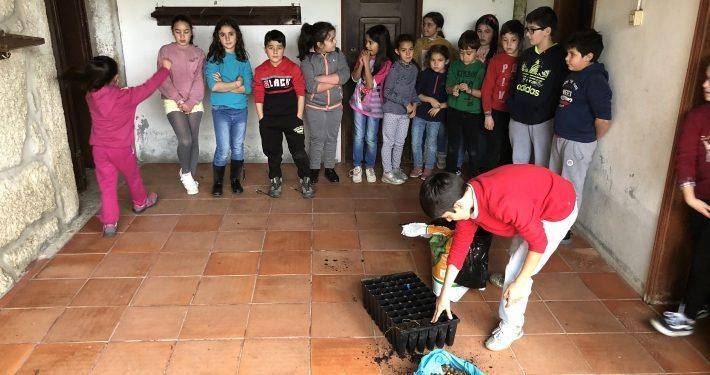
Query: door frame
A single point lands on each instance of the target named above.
(346, 139)
(80, 151)
(671, 255)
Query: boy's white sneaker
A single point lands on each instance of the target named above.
(400, 174)
(356, 174)
(503, 336)
(391, 178)
(371, 176)
(189, 183)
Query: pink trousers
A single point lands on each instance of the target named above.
(109, 162)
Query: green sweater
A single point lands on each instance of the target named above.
(471, 74)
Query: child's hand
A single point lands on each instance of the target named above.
(217, 77)
(463, 86)
(167, 64)
(442, 304)
(435, 103)
(413, 113)
(700, 206)
(186, 108)
(488, 123)
(455, 91)
(410, 108)
(434, 111)
(240, 81)
(365, 59)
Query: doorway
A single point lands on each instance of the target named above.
(573, 15)
(399, 16)
(69, 30)
(668, 272)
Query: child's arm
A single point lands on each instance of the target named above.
(197, 90)
(247, 78)
(259, 92)
(167, 88)
(452, 87)
(602, 126)
(391, 94)
(357, 69)
(487, 95)
(343, 69)
(299, 85)
(309, 77)
(259, 110)
(367, 76)
(140, 93)
(460, 242)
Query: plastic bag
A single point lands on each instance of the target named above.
(474, 272)
(432, 362)
(440, 244)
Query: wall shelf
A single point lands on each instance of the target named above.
(208, 16)
(9, 42)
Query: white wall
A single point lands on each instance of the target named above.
(142, 38)
(647, 66)
(461, 15)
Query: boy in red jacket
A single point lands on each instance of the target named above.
(279, 94)
(529, 203)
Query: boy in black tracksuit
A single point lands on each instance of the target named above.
(279, 94)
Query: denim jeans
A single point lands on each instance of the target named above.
(230, 126)
(427, 157)
(441, 140)
(366, 129)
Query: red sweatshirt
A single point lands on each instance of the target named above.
(693, 151)
(113, 111)
(514, 199)
(501, 71)
(277, 87)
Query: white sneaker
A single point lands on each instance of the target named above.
(391, 178)
(189, 183)
(503, 336)
(371, 176)
(400, 174)
(356, 175)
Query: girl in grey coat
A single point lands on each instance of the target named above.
(325, 70)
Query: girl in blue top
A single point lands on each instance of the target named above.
(228, 75)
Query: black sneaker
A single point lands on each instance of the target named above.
(568, 238)
(331, 175)
(275, 187)
(307, 188)
(314, 175)
(458, 171)
(673, 324)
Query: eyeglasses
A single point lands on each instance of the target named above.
(532, 30)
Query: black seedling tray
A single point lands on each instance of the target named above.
(402, 306)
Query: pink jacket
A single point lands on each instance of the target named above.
(113, 110)
(186, 82)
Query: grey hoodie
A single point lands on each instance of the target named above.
(316, 64)
(400, 88)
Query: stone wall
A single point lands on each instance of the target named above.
(38, 196)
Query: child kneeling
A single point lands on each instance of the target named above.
(529, 203)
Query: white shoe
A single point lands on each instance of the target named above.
(400, 174)
(503, 336)
(371, 176)
(356, 175)
(391, 178)
(189, 183)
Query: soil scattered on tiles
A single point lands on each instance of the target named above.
(337, 265)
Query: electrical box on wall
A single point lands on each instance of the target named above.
(636, 17)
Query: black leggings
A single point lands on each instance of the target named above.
(187, 130)
(494, 145)
(698, 291)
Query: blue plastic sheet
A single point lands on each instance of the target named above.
(432, 362)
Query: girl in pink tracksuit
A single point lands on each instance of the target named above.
(113, 110)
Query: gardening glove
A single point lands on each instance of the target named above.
(415, 230)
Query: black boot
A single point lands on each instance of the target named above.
(235, 174)
(331, 175)
(218, 173)
(314, 175)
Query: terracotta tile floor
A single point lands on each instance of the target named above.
(258, 286)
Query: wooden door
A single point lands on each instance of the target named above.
(70, 41)
(573, 15)
(399, 16)
(670, 262)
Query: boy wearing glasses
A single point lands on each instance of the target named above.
(535, 90)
